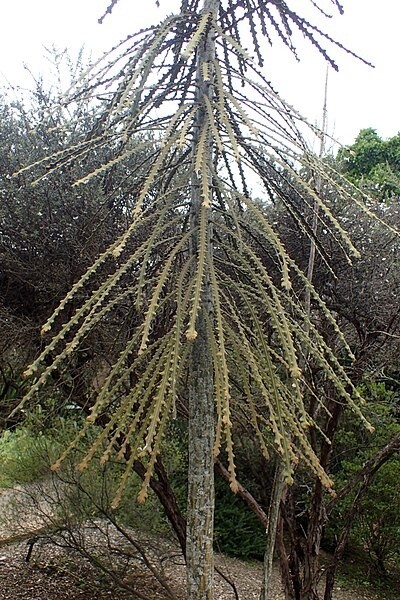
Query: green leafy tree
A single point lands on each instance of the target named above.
(373, 163)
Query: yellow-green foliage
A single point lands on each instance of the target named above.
(259, 332)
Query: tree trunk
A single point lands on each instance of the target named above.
(200, 511)
(290, 548)
(272, 526)
(284, 562)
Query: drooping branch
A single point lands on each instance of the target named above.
(109, 10)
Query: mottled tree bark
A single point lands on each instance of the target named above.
(200, 512)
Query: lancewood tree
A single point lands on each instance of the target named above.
(207, 313)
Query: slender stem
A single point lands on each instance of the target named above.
(273, 516)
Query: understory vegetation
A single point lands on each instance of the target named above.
(28, 451)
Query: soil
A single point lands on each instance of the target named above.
(41, 561)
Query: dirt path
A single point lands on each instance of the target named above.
(56, 571)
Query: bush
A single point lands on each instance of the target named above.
(237, 530)
(27, 453)
(24, 457)
(376, 531)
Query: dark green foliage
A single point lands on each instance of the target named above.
(376, 531)
(237, 530)
(373, 163)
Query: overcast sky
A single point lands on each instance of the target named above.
(358, 96)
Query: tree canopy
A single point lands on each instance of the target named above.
(373, 163)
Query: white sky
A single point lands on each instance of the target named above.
(358, 96)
